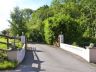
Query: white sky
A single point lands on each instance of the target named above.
(6, 6)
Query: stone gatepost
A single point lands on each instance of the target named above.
(61, 38)
(23, 38)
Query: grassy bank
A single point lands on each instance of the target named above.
(6, 64)
(4, 46)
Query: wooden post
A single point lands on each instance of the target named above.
(7, 43)
(25, 43)
(7, 40)
(14, 42)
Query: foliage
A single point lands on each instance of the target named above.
(83, 14)
(18, 19)
(35, 25)
(75, 18)
(74, 44)
(4, 32)
(4, 46)
(6, 64)
(18, 44)
(61, 23)
(91, 45)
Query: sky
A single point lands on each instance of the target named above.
(6, 6)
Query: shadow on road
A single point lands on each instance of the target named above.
(31, 63)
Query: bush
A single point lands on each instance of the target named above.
(75, 44)
(3, 46)
(7, 65)
(85, 41)
(49, 34)
(61, 23)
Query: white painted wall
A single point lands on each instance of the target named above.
(21, 54)
(88, 54)
(61, 38)
(23, 39)
(17, 55)
(84, 53)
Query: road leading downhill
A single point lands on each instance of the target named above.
(50, 59)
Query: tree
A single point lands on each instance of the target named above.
(75, 18)
(4, 32)
(36, 26)
(27, 14)
(18, 19)
(61, 23)
(89, 11)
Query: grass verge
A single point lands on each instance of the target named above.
(6, 64)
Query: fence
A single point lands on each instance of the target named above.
(17, 54)
(7, 40)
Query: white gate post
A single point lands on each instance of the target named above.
(61, 38)
(23, 38)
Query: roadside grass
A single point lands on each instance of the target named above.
(4, 46)
(6, 64)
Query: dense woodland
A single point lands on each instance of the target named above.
(76, 19)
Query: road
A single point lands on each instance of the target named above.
(51, 59)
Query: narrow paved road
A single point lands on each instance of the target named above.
(50, 59)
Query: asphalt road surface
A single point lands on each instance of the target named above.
(45, 58)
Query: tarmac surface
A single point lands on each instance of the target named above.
(46, 58)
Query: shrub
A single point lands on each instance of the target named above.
(75, 44)
(7, 64)
(91, 45)
(49, 34)
(61, 23)
(85, 41)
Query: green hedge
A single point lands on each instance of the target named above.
(61, 23)
(84, 41)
